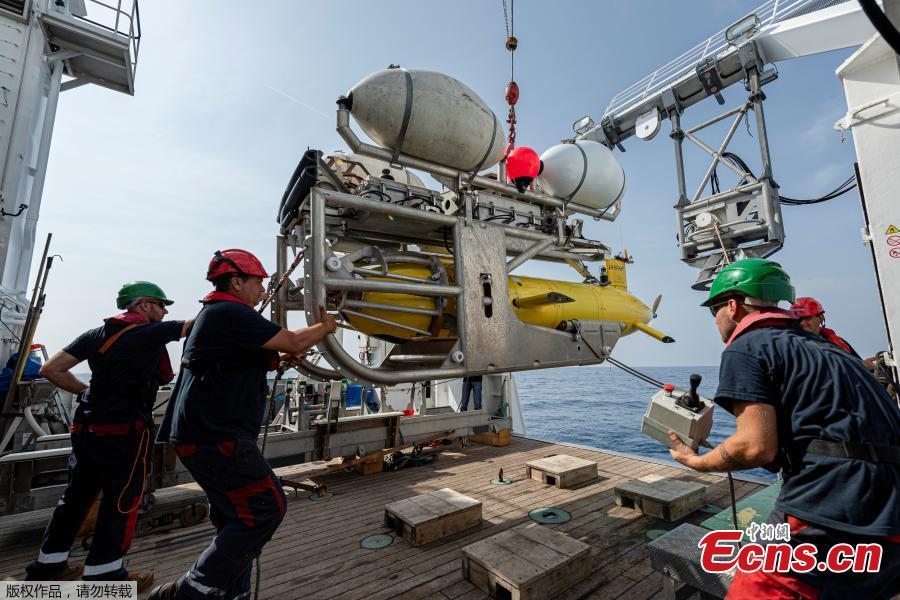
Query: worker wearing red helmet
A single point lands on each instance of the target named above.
(214, 418)
(812, 319)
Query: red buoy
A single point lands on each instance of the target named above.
(522, 166)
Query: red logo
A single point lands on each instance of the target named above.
(721, 551)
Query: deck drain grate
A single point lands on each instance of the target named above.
(377, 541)
(550, 516)
(501, 481)
(318, 498)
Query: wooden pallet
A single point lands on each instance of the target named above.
(492, 438)
(526, 562)
(667, 499)
(561, 470)
(432, 516)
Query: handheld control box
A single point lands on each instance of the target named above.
(683, 411)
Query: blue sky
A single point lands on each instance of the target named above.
(148, 187)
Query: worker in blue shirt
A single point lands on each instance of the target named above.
(214, 418)
(110, 433)
(811, 408)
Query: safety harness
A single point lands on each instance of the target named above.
(270, 360)
(98, 391)
(792, 456)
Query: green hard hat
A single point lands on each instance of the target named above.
(754, 277)
(140, 289)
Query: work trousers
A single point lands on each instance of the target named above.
(473, 387)
(246, 503)
(822, 585)
(110, 459)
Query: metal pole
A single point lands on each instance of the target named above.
(528, 254)
(391, 307)
(278, 312)
(677, 136)
(756, 97)
(388, 287)
(384, 208)
(770, 204)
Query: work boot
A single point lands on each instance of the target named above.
(144, 580)
(60, 571)
(166, 591)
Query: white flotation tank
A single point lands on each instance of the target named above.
(585, 172)
(428, 115)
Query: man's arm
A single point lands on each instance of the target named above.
(301, 340)
(186, 328)
(58, 371)
(754, 443)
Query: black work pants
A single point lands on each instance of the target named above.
(247, 504)
(110, 459)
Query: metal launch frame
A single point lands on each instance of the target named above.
(744, 221)
(349, 239)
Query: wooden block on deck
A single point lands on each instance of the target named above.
(432, 516)
(371, 464)
(667, 499)
(526, 562)
(561, 470)
(492, 438)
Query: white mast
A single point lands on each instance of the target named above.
(47, 46)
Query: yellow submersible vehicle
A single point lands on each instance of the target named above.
(432, 272)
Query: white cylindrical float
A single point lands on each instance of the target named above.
(428, 115)
(585, 172)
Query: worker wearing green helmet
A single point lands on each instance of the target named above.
(133, 292)
(811, 410)
(110, 433)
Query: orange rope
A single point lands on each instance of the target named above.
(142, 457)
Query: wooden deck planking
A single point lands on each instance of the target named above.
(316, 553)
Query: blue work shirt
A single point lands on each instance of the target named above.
(222, 389)
(125, 378)
(819, 391)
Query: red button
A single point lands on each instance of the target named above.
(669, 387)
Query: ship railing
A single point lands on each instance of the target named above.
(772, 11)
(121, 18)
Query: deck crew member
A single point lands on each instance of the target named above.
(471, 387)
(215, 417)
(812, 319)
(110, 432)
(812, 408)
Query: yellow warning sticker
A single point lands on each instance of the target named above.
(891, 229)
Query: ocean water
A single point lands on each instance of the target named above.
(602, 407)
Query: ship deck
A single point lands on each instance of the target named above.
(316, 552)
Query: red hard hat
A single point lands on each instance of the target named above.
(807, 307)
(237, 261)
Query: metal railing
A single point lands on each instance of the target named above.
(773, 11)
(121, 18)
